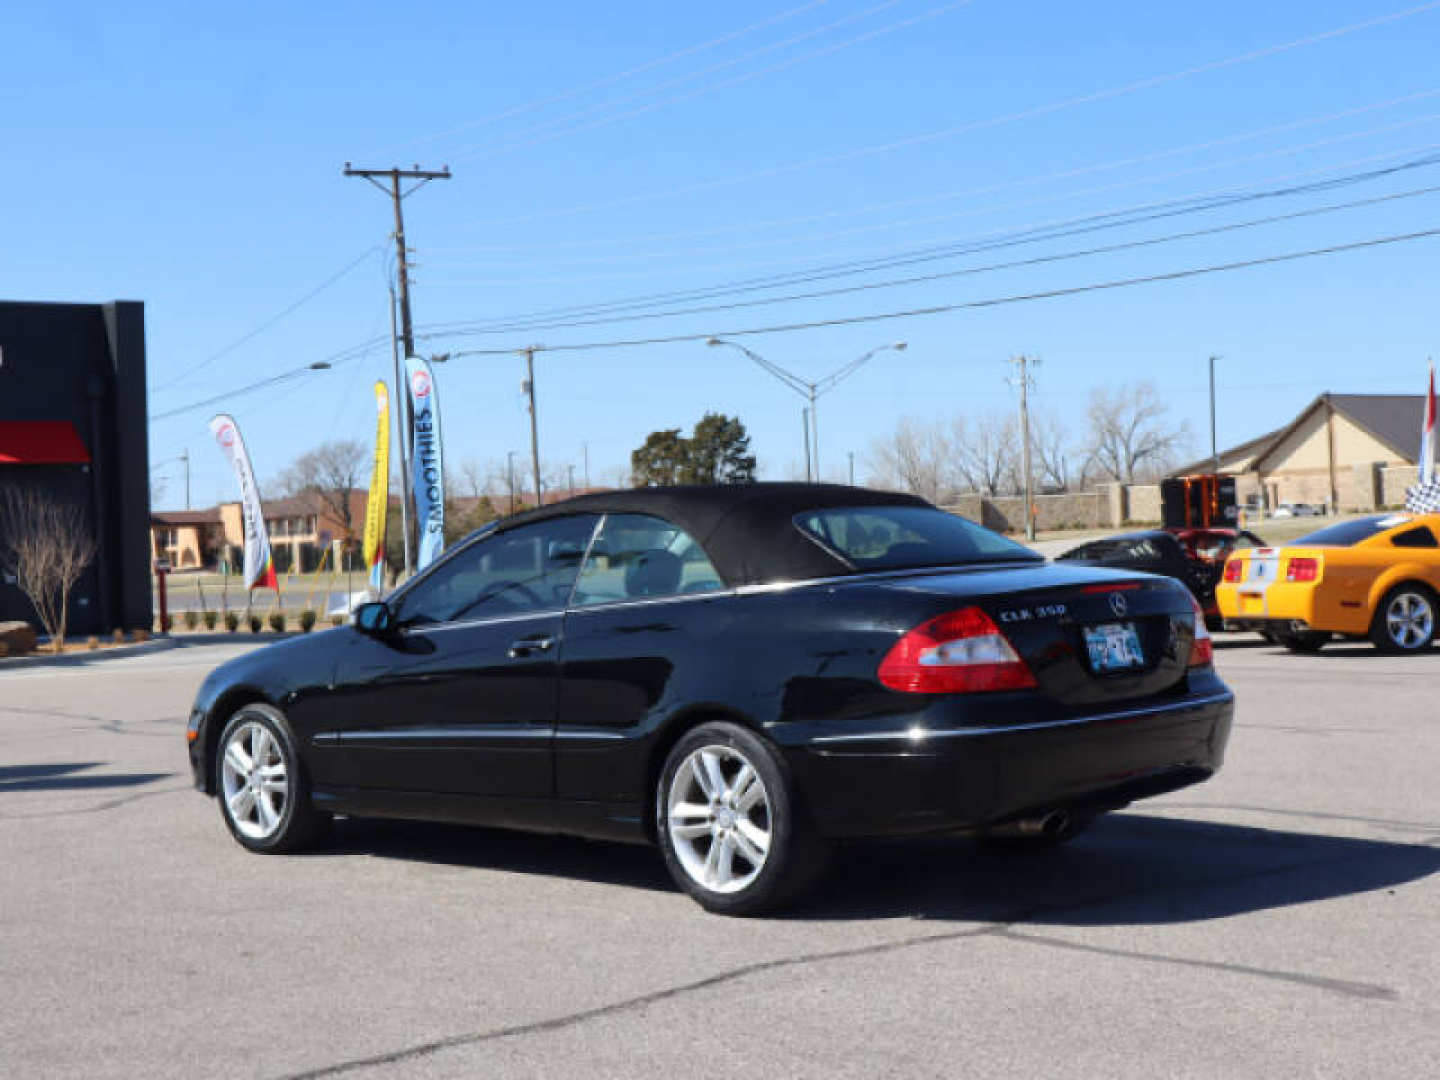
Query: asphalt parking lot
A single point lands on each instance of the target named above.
(1281, 920)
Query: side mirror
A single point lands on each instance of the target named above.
(375, 619)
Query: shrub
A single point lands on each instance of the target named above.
(253, 621)
(336, 620)
(210, 618)
(139, 634)
(192, 619)
(307, 620)
(277, 621)
(118, 636)
(92, 643)
(232, 621)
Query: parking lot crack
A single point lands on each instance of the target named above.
(1347, 987)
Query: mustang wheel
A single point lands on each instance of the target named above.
(1405, 620)
(263, 795)
(728, 825)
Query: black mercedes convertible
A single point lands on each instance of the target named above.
(742, 675)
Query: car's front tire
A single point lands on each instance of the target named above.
(728, 823)
(1405, 620)
(264, 796)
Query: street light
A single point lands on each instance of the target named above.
(810, 390)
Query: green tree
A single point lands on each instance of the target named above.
(718, 452)
(662, 459)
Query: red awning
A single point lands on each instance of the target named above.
(41, 442)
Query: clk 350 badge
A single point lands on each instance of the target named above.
(1042, 611)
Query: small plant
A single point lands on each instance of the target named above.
(117, 636)
(139, 634)
(307, 620)
(192, 619)
(336, 620)
(253, 621)
(92, 643)
(232, 621)
(277, 621)
(210, 618)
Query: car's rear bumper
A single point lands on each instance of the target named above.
(889, 781)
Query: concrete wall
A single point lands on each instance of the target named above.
(1394, 481)
(1108, 507)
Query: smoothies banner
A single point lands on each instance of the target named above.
(377, 503)
(427, 475)
(259, 567)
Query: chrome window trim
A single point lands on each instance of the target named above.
(914, 735)
(648, 601)
(493, 620)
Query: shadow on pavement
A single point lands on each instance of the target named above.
(1128, 869)
(61, 777)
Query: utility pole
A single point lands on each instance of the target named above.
(510, 470)
(1214, 450)
(185, 457)
(570, 470)
(1022, 363)
(407, 330)
(534, 423)
(852, 468)
(805, 428)
(402, 426)
(585, 453)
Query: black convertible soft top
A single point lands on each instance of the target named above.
(747, 530)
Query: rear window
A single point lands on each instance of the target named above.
(1349, 533)
(1137, 549)
(897, 537)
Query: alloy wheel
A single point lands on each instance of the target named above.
(719, 818)
(254, 780)
(1409, 620)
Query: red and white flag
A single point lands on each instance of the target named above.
(1427, 434)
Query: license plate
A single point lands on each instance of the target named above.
(1114, 647)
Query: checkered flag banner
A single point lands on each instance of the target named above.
(1424, 498)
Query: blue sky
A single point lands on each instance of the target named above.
(192, 159)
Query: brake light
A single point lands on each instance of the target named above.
(1234, 570)
(1202, 650)
(1302, 570)
(960, 652)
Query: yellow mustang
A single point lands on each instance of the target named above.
(1375, 577)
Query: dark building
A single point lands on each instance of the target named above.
(73, 425)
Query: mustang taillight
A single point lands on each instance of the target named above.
(1234, 569)
(1302, 570)
(960, 652)
(1202, 651)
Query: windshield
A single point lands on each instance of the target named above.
(1348, 533)
(897, 537)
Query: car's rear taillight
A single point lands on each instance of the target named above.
(1234, 569)
(960, 652)
(1202, 650)
(1302, 570)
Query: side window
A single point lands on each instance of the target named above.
(636, 557)
(1415, 538)
(531, 568)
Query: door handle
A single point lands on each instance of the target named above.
(530, 646)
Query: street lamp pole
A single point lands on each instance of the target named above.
(811, 391)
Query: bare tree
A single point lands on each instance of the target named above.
(329, 473)
(917, 458)
(47, 545)
(1130, 432)
(1050, 445)
(987, 452)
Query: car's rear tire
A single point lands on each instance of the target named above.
(1303, 641)
(1405, 620)
(263, 793)
(730, 827)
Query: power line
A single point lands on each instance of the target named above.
(976, 125)
(940, 309)
(268, 323)
(1006, 238)
(969, 271)
(608, 80)
(604, 121)
(945, 196)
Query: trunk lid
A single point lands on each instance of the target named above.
(1089, 636)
